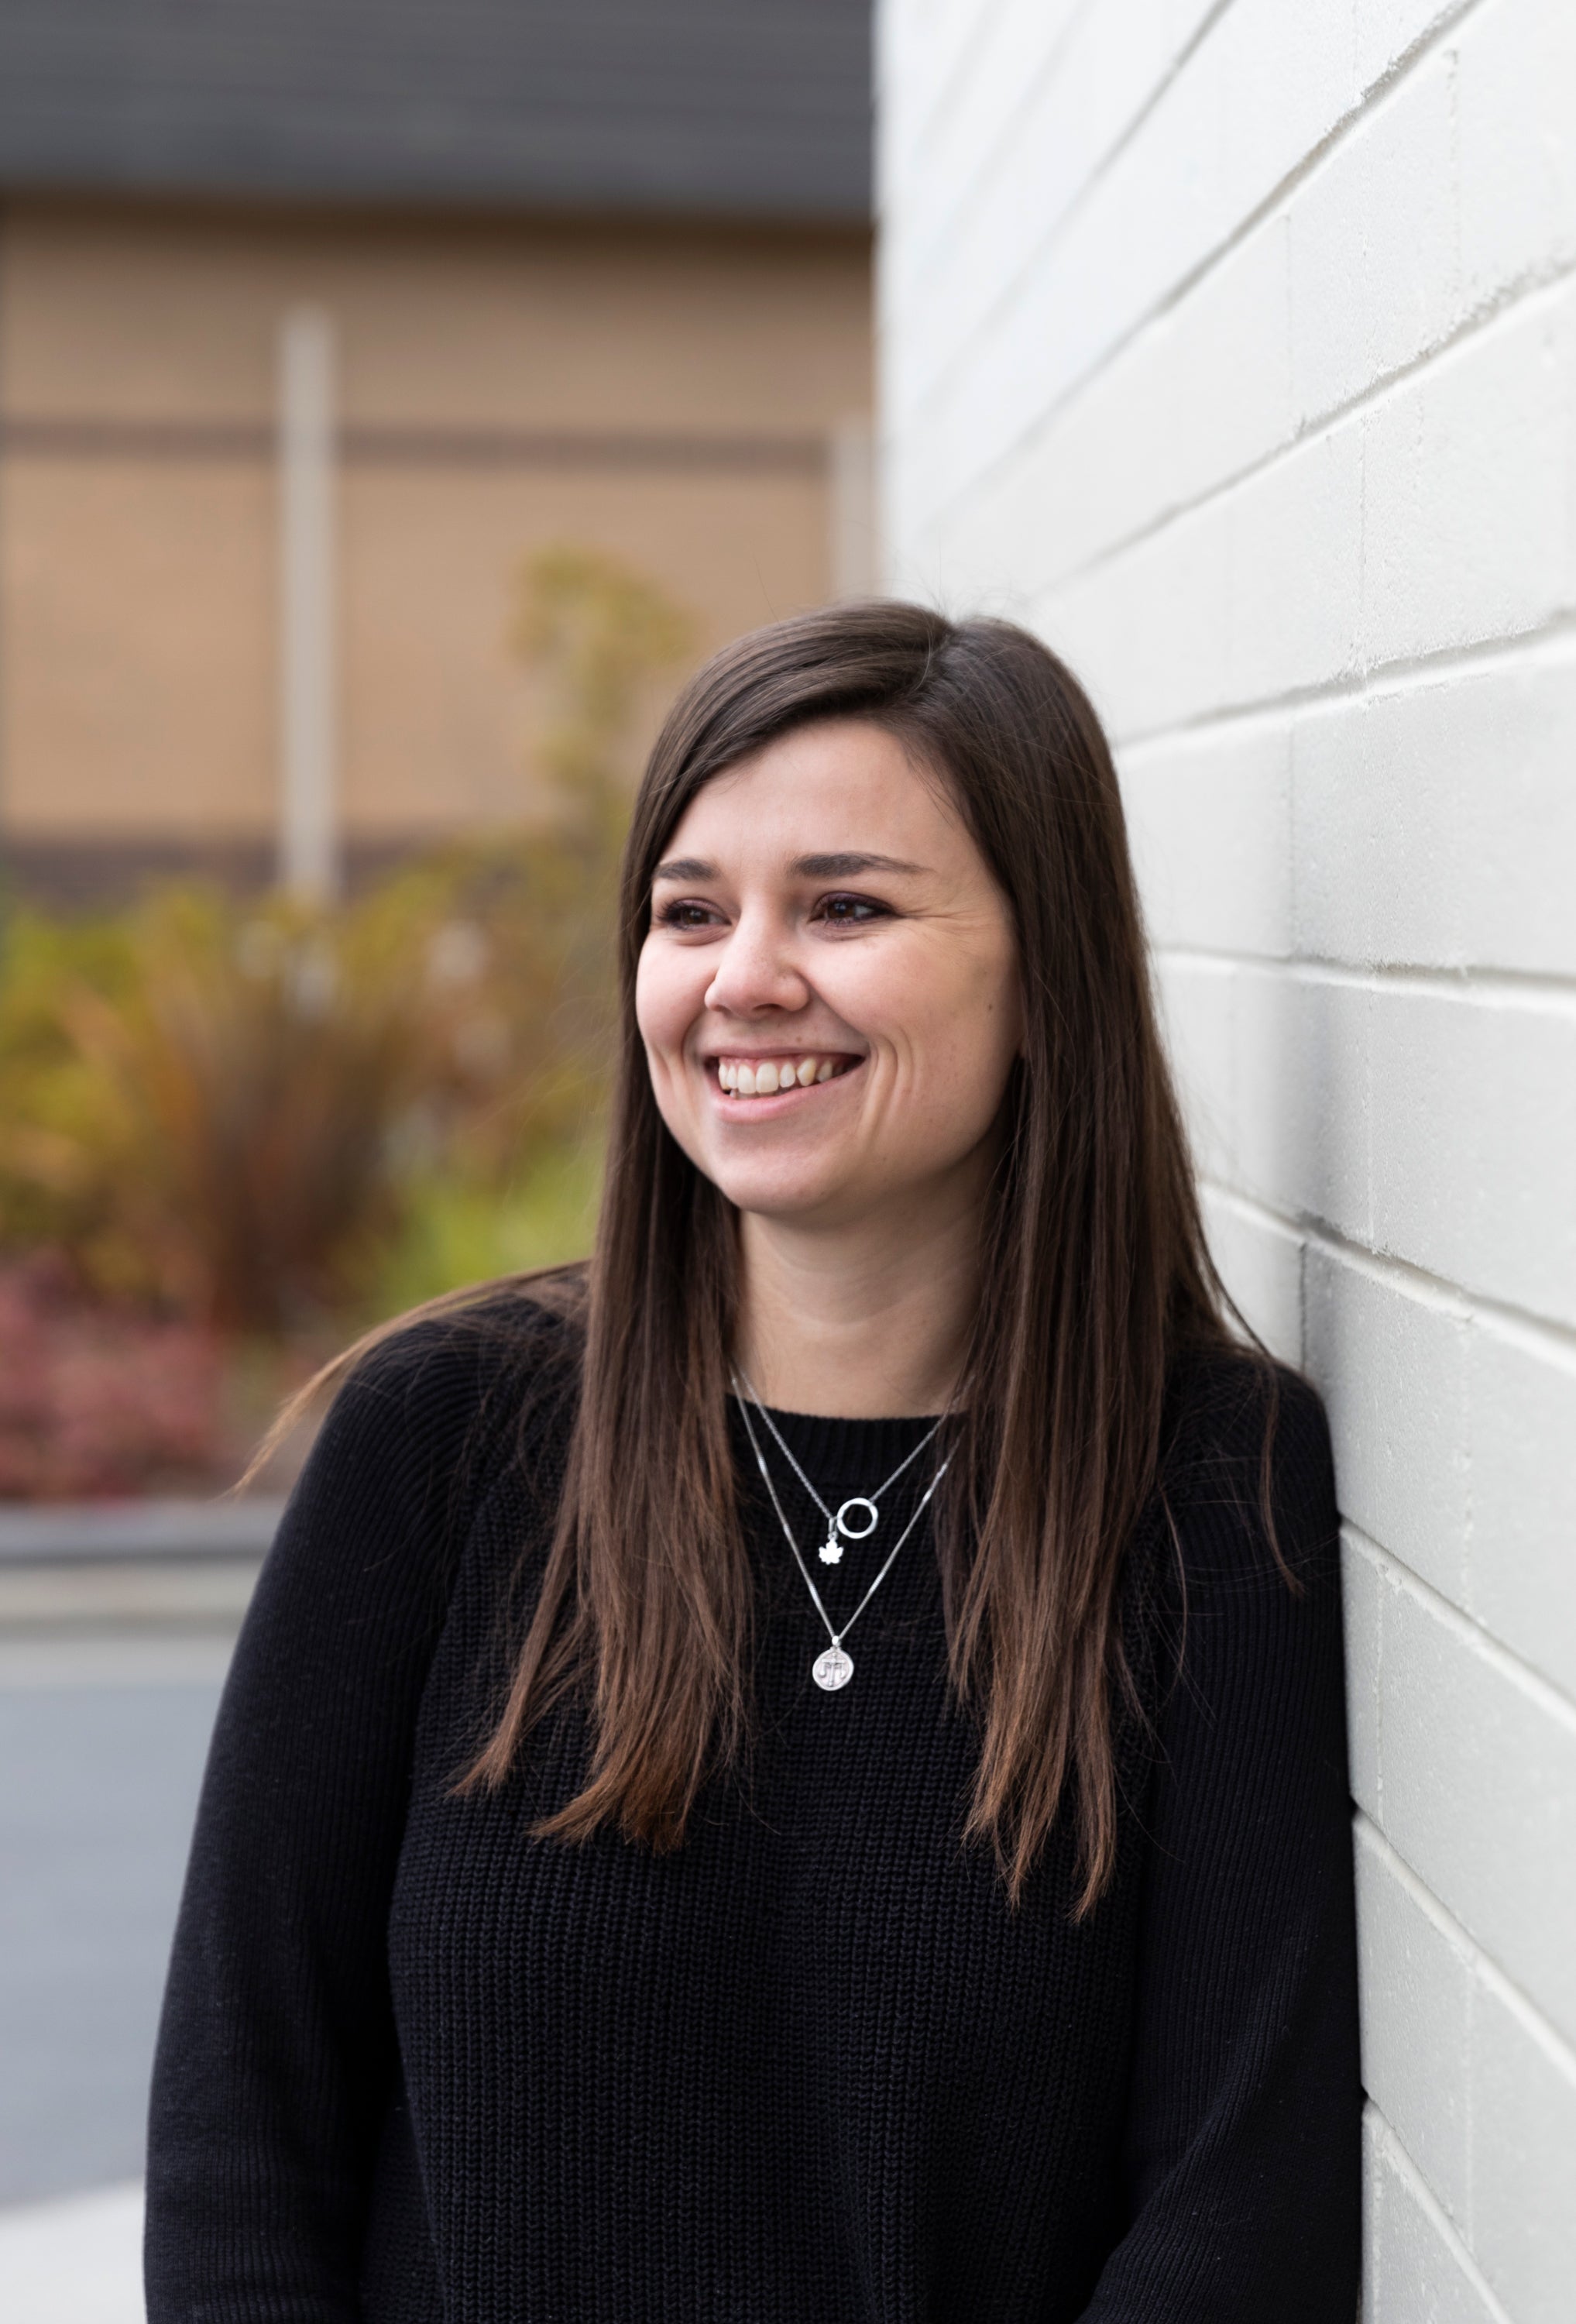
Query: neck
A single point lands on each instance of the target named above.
(863, 1321)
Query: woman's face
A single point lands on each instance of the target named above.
(828, 990)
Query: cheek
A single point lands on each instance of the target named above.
(961, 1009)
(962, 1033)
(667, 997)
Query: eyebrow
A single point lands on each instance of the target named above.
(847, 866)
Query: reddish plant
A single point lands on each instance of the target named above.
(98, 1400)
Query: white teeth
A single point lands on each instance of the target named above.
(765, 1077)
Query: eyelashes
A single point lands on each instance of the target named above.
(859, 909)
(839, 911)
(677, 916)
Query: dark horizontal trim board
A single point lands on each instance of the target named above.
(755, 108)
(370, 446)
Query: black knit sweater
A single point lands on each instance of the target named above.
(419, 2068)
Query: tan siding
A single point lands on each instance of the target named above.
(137, 584)
(137, 614)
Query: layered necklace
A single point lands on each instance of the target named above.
(834, 1667)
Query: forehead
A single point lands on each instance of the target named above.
(838, 785)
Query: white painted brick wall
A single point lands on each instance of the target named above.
(1233, 346)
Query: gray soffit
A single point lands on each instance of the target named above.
(740, 109)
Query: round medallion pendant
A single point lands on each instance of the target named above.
(857, 1533)
(832, 1669)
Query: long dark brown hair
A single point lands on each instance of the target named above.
(1094, 1276)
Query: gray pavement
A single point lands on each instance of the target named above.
(76, 2260)
(99, 1787)
(111, 1660)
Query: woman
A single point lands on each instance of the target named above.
(799, 1774)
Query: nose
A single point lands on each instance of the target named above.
(754, 970)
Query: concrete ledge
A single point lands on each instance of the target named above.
(100, 1531)
(75, 2261)
(131, 1658)
(187, 1593)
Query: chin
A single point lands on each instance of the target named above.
(776, 1194)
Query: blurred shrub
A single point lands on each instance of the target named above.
(255, 1116)
(597, 631)
(94, 1400)
(222, 1122)
(457, 1230)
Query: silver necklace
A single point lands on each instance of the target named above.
(834, 1667)
(838, 1528)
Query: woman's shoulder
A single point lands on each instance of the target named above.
(1247, 1476)
(430, 1416)
(462, 1347)
(446, 1387)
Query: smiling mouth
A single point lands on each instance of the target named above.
(772, 1077)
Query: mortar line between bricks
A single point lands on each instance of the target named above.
(1551, 1340)
(1166, 78)
(1100, 167)
(1555, 1705)
(1505, 1989)
(980, 176)
(1335, 135)
(1507, 302)
(1438, 2219)
(1352, 685)
(947, 86)
(1549, 642)
(1556, 987)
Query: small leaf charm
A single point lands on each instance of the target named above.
(832, 1549)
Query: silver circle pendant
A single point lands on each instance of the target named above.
(832, 1669)
(860, 1533)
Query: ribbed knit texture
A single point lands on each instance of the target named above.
(419, 2068)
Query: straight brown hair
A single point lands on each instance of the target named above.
(1094, 1276)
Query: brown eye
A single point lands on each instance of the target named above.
(850, 911)
(686, 913)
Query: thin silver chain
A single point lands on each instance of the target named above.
(837, 1636)
(741, 1375)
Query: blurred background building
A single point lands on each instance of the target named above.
(393, 401)
(316, 318)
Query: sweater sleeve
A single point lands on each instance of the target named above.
(276, 2059)
(1242, 2158)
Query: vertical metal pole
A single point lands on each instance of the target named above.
(308, 804)
(854, 510)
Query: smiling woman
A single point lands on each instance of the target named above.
(579, 1925)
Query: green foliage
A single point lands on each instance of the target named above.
(214, 1111)
(457, 1230)
(262, 1115)
(598, 632)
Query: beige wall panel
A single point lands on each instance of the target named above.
(597, 331)
(139, 601)
(126, 316)
(136, 611)
(148, 315)
(438, 713)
